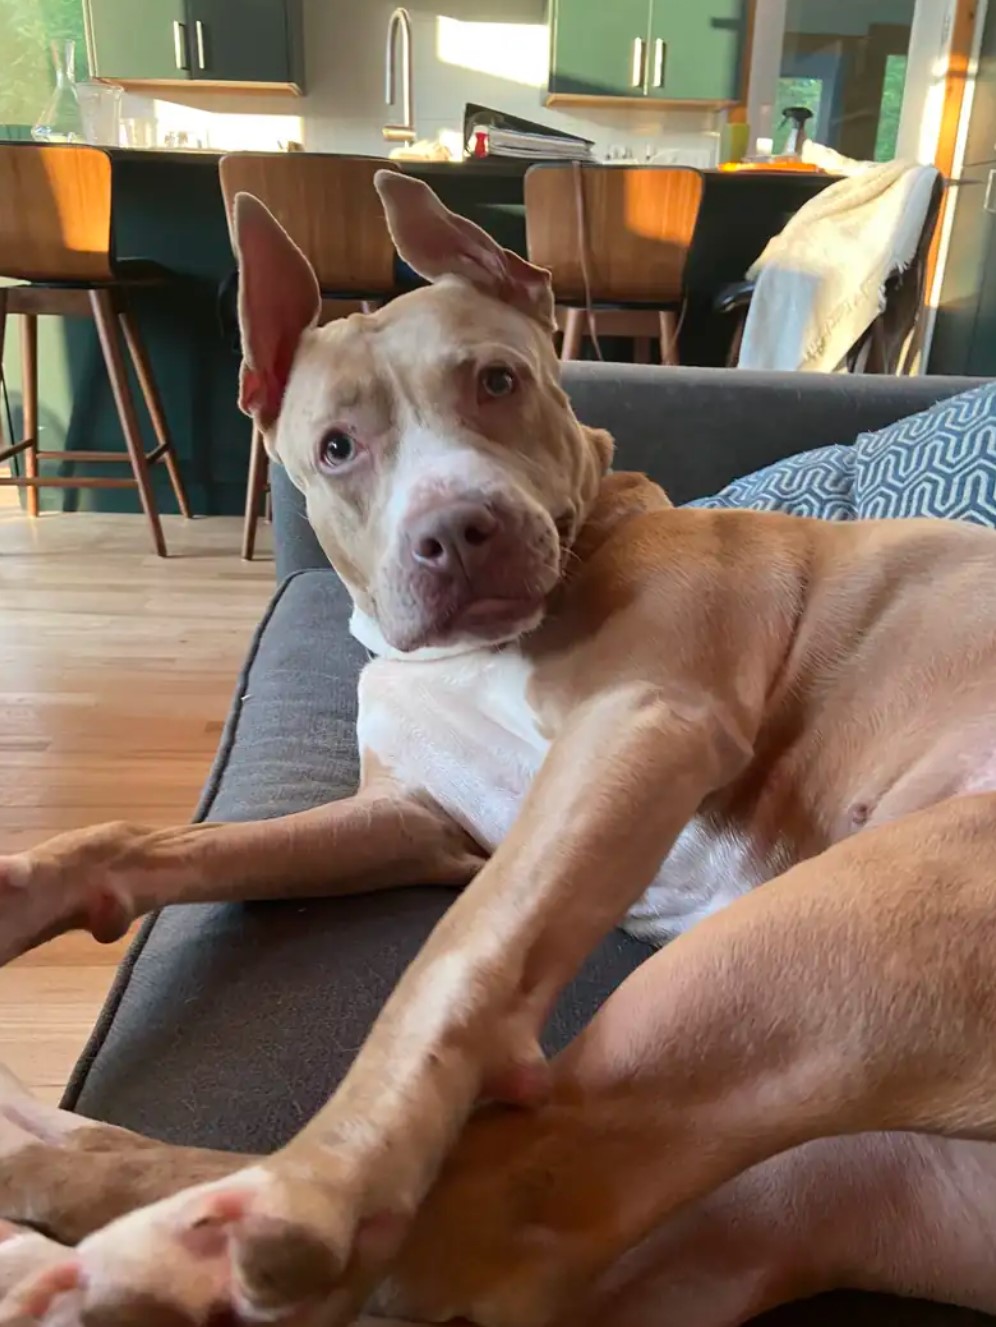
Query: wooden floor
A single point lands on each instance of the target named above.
(116, 671)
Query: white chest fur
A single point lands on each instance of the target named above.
(461, 730)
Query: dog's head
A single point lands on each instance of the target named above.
(444, 471)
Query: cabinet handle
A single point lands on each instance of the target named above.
(180, 44)
(201, 48)
(660, 50)
(639, 55)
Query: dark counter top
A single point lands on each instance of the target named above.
(494, 168)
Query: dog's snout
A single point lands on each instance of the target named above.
(453, 538)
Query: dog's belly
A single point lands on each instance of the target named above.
(462, 731)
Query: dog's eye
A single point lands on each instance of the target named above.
(336, 449)
(496, 380)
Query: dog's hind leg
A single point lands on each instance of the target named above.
(66, 1176)
(852, 995)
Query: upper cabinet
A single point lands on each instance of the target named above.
(666, 50)
(598, 49)
(223, 43)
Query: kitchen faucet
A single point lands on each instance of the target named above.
(399, 22)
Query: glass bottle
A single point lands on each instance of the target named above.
(61, 120)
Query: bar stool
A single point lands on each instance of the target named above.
(616, 240)
(56, 233)
(330, 209)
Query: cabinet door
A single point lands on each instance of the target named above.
(599, 47)
(137, 39)
(698, 50)
(240, 41)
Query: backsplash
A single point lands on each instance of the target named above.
(481, 51)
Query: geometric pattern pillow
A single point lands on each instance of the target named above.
(818, 483)
(941, 462)
(938, 463)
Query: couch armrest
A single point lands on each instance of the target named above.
(295, 547)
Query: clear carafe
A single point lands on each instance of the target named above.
(61, 121)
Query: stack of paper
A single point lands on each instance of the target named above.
(499, 142)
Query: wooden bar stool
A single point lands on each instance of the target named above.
(331, 211)
(616, 240)
(56, 233)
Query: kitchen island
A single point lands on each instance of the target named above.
(168, 208)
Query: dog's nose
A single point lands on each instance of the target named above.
(453, 538)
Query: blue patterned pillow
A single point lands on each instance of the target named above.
(941, 462)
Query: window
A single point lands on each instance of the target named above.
(847, 61)
(891, 107)
(26, 29)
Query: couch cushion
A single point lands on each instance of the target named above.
(229, 1025)
(940, 462)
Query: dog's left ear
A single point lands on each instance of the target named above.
(435, 242)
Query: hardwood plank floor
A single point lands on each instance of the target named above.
(116, 672)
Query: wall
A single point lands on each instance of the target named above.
(494, 52)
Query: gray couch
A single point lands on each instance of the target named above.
(229, 1025)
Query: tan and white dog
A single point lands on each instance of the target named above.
(593, 710)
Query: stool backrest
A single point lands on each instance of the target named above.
(631, 226)
(330, 209)
(55, 213)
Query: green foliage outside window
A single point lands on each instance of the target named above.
(892, 106)
(27, 27)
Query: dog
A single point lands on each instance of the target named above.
(770, 741)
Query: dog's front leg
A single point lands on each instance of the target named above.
(314, 1226)
(101, 879)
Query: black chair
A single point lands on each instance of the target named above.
(889, 344)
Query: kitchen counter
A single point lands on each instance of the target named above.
(168, 207)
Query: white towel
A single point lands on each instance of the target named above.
(821, 282)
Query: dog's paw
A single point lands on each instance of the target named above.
(25, 1254)
(77, 880)
(263, 1245)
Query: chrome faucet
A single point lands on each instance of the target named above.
(399, 22)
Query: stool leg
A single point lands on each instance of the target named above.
(29, 403)
(573, 334)
(154, 405)
(669, 338)
(3, 380)
(259, 466)
(105, 316)
(641, 349)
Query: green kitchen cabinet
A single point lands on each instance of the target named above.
(697, 51)
(599, 48)
(229, 42)
(246, 41)
(137, 40)
(650, 50)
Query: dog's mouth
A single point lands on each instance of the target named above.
(499, 613)
(486, 620)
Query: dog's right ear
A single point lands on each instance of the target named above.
(279, 299)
